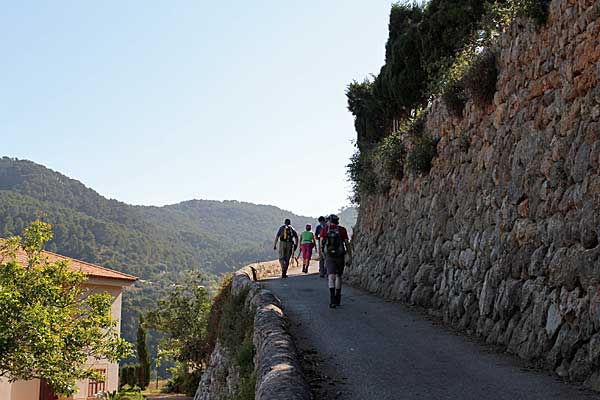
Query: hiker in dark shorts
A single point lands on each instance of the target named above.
(335, 245)
(288, 243)
(322, 224)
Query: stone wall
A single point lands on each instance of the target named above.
(222, 377)
(502, 239)
(278, 371)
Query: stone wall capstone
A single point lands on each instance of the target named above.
(502, 239)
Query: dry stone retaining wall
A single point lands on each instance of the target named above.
(502, 239)
(279, 375)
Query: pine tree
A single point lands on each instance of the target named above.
(143, 356)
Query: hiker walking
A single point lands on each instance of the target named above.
(322, 224)
(307, 243)
(288, 242)
(335, 245)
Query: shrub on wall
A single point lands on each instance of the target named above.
(373, 171)
(392, 150)
(422, 152)
(481, 77)
(361, 174)
(455, 98)
(391, 153)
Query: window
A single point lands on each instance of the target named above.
(95, 387)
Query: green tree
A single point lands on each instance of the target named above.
(143, 356)
(182, 315)
(50, 324)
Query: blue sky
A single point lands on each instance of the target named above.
(156, 102)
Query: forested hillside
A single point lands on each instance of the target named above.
(150, 242)
(348, 217)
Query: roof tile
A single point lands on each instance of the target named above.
(91, 270)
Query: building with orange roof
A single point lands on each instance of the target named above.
(100, 280)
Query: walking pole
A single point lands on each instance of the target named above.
(296, 257)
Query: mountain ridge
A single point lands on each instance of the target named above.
(44, 193)
(159, 244)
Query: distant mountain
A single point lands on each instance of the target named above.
(157, 244)
(348, 216)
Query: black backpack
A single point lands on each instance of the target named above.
(288, 234)
(334, 245)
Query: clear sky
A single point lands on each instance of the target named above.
(156, 102)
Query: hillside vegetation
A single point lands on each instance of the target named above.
(157, 244)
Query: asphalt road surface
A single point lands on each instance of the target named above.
(370, 349)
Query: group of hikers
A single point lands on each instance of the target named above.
(332, 243)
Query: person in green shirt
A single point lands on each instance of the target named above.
(307, 244)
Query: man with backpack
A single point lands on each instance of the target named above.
(288, 243)
(320, 227)
(335, 245)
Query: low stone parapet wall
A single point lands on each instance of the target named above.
(277, 365)
(278, 371)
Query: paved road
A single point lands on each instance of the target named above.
(386, 351)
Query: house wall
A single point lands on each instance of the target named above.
(112, 369)
(5, 388)
(24, 390)
(19, 390)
